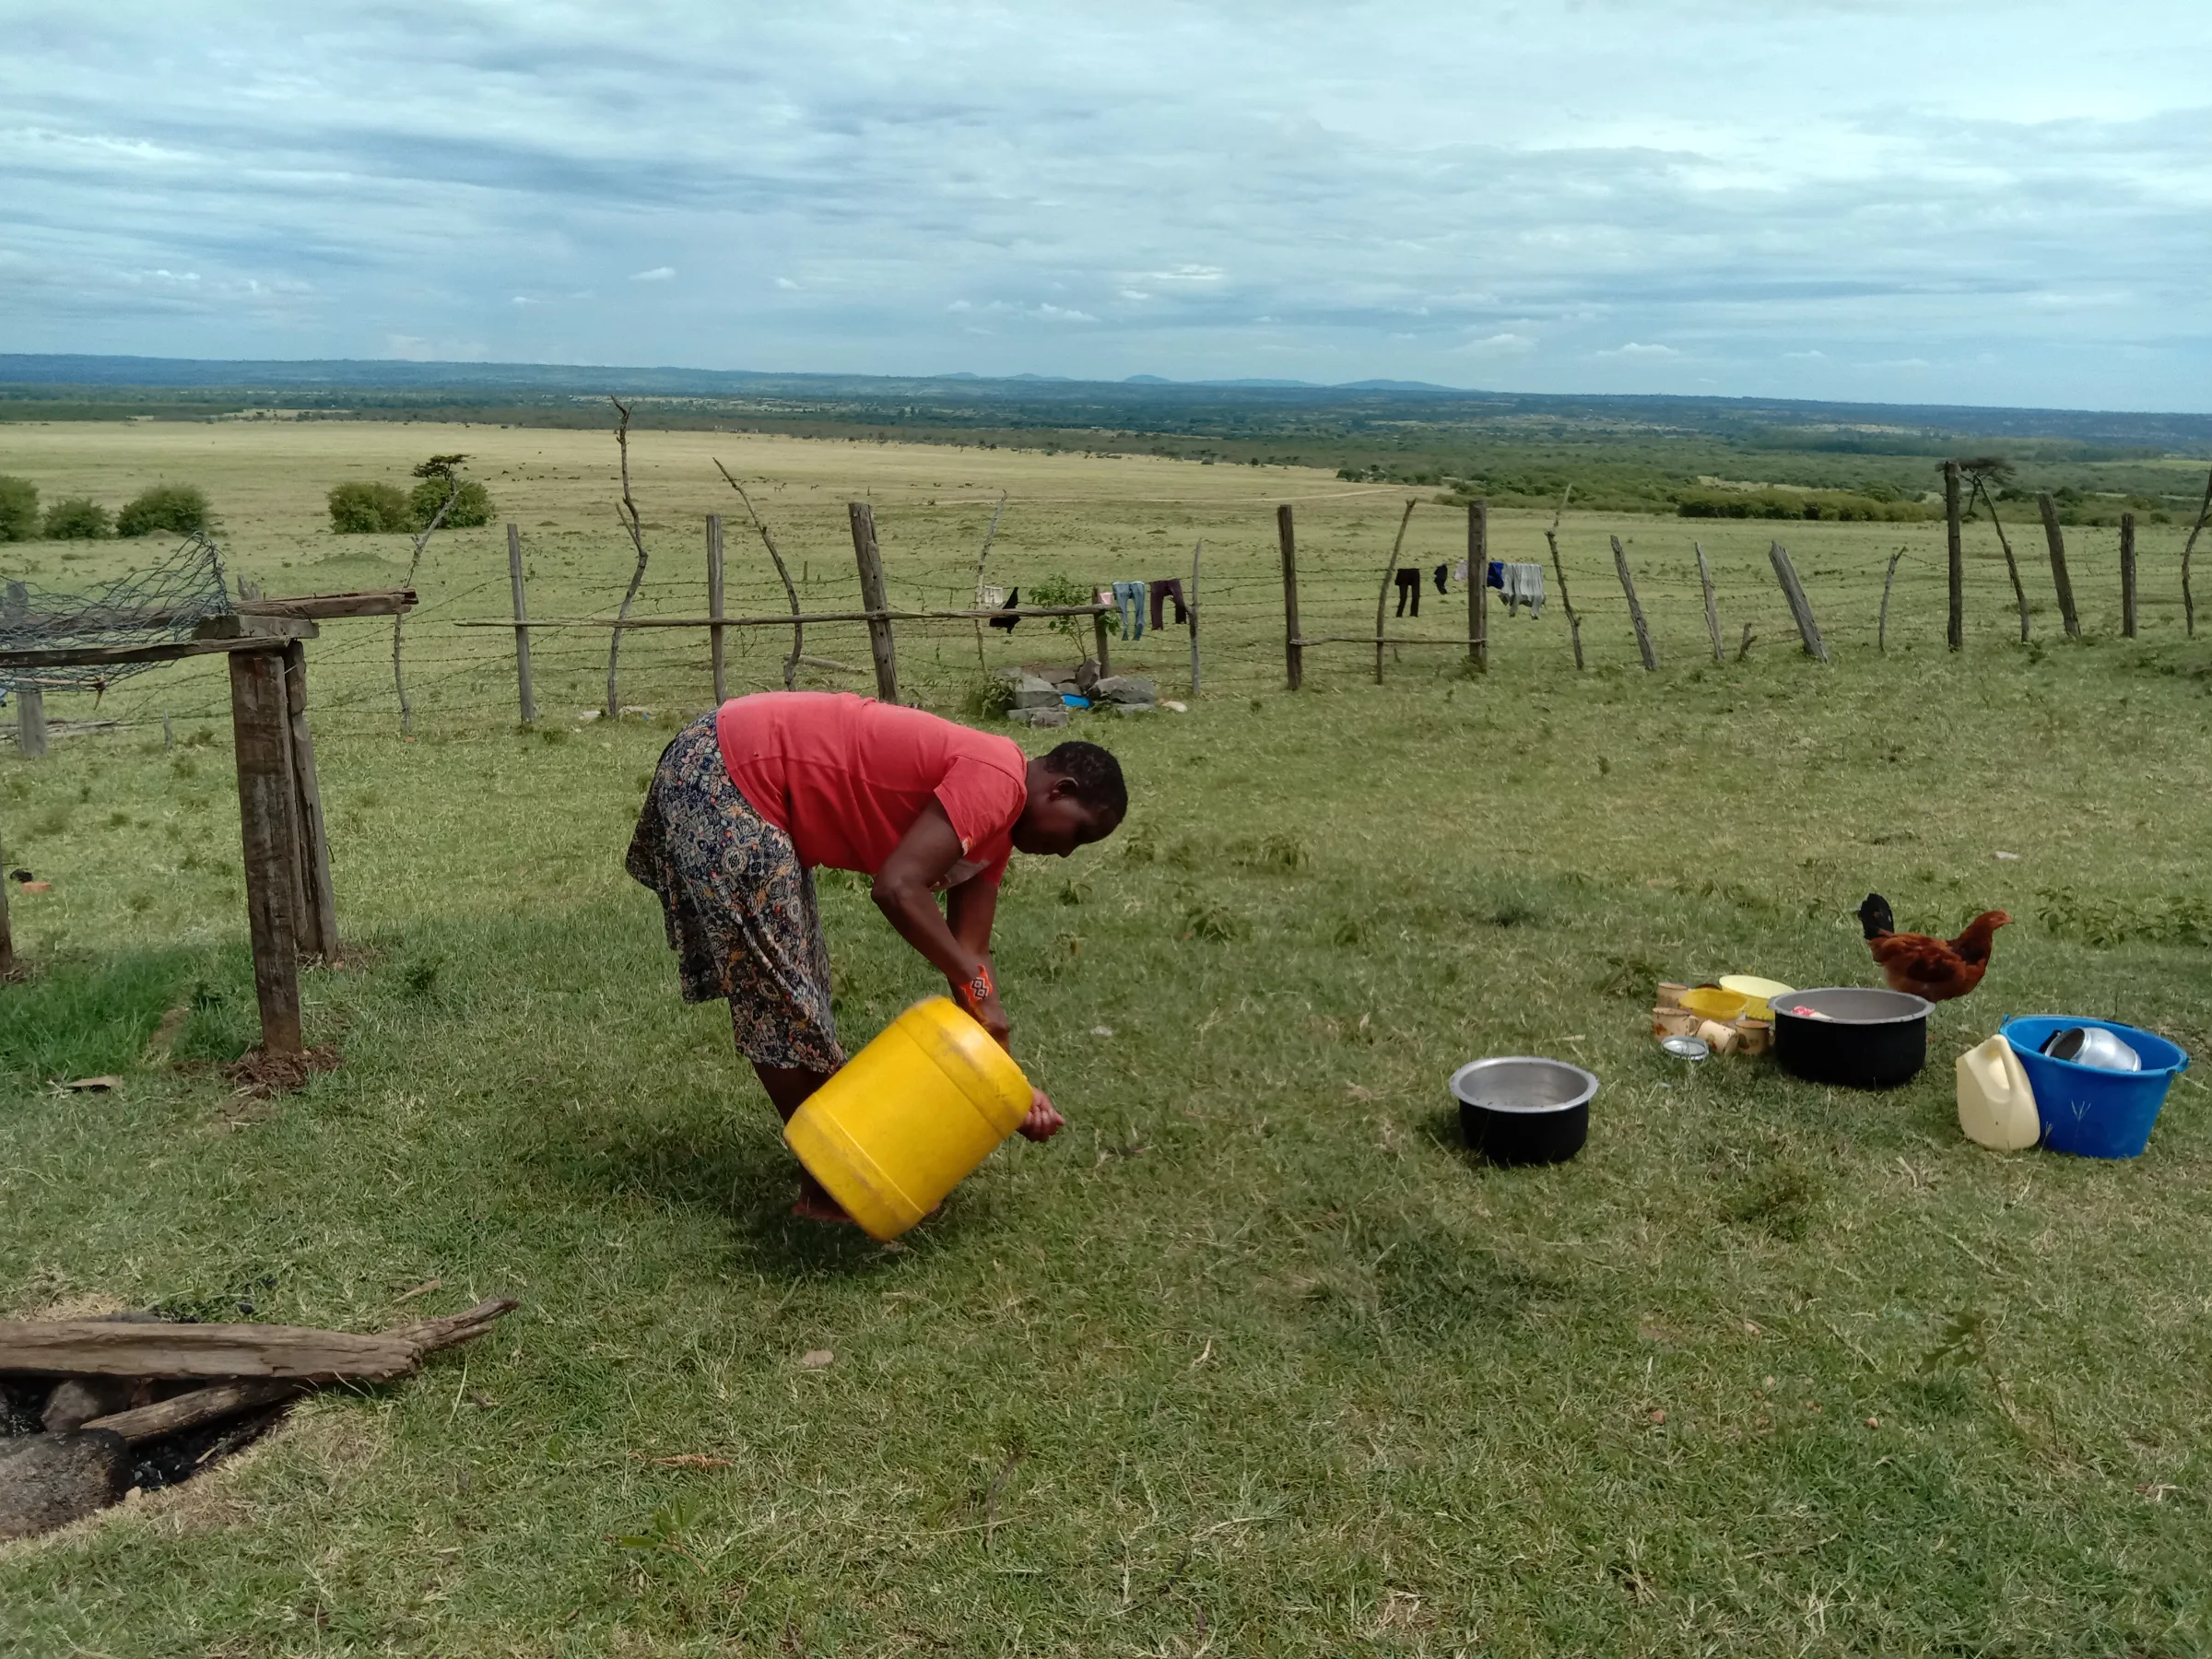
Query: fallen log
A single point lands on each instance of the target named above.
(222, 1399)
(99, 1347)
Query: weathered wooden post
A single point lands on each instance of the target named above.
(522, 632)
(1713, 606)
(265, 806)
(316, 926)
(880, 645)
(1800, 608)
(2188, 549)
(1559, 569)
(1098, 635)
(1294, 652)
(30, 698)
(2059, 578)
(1955, 553)
(1478, 585)
(715, 612)
(2127, 574)
(1390, 573)
(7, 939)
(1881, 631)
(1628, 586)
(1191, 606)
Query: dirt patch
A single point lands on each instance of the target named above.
(263, 1074)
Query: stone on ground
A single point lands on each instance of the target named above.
(48, 1480)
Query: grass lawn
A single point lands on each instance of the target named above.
(1252, 1359)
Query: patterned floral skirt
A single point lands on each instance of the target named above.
(739, 906)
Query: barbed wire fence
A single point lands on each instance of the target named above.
(464, 677)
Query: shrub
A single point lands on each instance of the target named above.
(368, 510)
(473, 508)
(18, 510)
(76, 518)
(181, 508)
(1059, 591)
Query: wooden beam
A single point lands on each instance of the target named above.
(254, 625)
(317, 928)
(109, 1348)
(262, 738)
(326, 607)
(1628, 585)
(2063, 582)
(90, 657)
(1294, 662)
(522, 625)
(183, 1411)
(881, 646)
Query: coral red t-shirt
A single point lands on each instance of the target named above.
(845, 777)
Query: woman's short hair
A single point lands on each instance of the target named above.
(1096, 774)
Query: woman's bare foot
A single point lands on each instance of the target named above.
(813, 1203)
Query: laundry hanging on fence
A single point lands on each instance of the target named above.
(1523, 584)
(1129, 601)
(1459, 571)
(1409, 584)
(1497, 576)
(1171, 588)
(988, 597)
(1006, 623)
(1439, 573)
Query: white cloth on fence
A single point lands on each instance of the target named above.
(1523, 585)
(1459, 571)
(989, 598)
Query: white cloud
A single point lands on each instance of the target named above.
(786, 283)
(1054, 314)
(1490, 344)
(1636, 349)
(658, 273)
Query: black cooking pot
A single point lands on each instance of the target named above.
(1521, 1110)
(1852, 1037)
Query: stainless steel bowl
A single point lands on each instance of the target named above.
(2093, 1045)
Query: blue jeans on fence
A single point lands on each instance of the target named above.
(1130, 597)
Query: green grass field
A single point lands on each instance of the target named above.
(1252, 1359)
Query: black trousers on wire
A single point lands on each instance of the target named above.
(1410, 585)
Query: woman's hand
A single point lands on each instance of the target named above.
(1044, 1120)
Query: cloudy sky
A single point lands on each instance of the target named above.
(1910, 200)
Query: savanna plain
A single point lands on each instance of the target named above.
(1252, 1359)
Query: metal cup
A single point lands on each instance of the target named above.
(2093, 1045)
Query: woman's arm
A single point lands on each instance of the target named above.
(903, 892)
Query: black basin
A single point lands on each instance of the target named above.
(1869, 1040)
(1521, 1110)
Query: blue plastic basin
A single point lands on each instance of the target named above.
(2085, 1109)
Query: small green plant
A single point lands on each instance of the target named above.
(1205, 919)
(18, 510)
(419, 979)
(472, 505)
(662, 1537)
(77, 518)
(988, 699)
(360, 509)
(178, 508)
(1059, 591)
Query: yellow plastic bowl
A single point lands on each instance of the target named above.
(1760, 993)
(1712, 1002)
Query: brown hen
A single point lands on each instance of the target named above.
(1936, 969)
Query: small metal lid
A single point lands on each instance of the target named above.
(1687, 1048)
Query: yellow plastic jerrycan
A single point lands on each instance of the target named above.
(1996, 1104)
(909, 1117)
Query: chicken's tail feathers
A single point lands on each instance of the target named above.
(1876, 917)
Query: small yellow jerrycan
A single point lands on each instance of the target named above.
(1996, 1105)
(909, 1117)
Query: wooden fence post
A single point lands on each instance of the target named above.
(715, 631)
(2127, 574)
(1390, 573)
(1098, 635)
(1954, 552)
(1800, 608)
(31, 700)
(316, 931)
(1712, 608)
(7, 939)
(1478, 585)
(1559, 567)
(1628, 586)
(2059, 578)
(1191, 605)
(1294, 653)
(2188, 548)
(522, 632)
(880, 643)
(1881, 631)
(260, 731)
